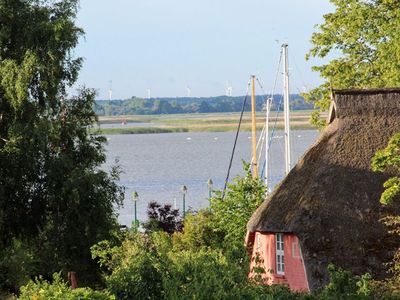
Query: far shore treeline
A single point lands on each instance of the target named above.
(153, 106)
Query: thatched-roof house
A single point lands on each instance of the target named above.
(327, 209)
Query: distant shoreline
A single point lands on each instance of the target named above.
(188, 105)
(210, 122)
(152, 130)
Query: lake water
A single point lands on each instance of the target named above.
(127, 125)
(157, 165)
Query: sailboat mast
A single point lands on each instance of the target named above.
(268, 111)
(288, 158)
(253, 127)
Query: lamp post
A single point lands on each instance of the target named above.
(135, 198)
(210, 187)
(184, 191)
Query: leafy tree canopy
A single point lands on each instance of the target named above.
(361, 38)
(53, 195)
(139, 106)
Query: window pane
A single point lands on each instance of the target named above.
(279, 244)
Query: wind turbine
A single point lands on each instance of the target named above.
(148, 94)
(189, 91)
(110, 91)
(228, 89)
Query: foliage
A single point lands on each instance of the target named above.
(162, 217)
(150, 269)
(79, 197)
(203, 274)
(53, 194)
(138, 106)
(152, 266)
(390, 288)
(343, 285)
(32, 61)
(231, 214)
(362, 42)
(389, 159)
(198, 233)
(59, 290)
(17, 265)
(132, 271)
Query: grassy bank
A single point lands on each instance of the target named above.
(212, 122)
(139, 130)
(128, 119)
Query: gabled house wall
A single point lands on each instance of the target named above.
(264, 256)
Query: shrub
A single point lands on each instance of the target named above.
(232, 211)
(58, 290)
(162, 218)
(343, 285)
(206, 274)
(131, 271)
(198, 233)
(17, 265)
(157, 266)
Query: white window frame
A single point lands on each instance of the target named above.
(280, 254)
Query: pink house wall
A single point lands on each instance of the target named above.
(264, 250)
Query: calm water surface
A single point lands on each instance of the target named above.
(157, 165)
(127, 125)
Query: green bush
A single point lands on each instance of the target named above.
(198, 233)
(343, 285)
(58, 290)
(131, 267)
(17, 265)
(232, 211)
(206, 274)
(136, 279)
(157, 266)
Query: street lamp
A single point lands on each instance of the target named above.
(135, 198)
(184, 191)
(210, 187)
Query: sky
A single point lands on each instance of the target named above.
(166, 46)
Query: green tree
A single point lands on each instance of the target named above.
(231, 214)
(53, 194)
(361, 38)
(204, 107)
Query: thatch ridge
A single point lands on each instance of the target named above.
(366, 91)
(330, 199)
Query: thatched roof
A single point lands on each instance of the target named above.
(330, 199)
